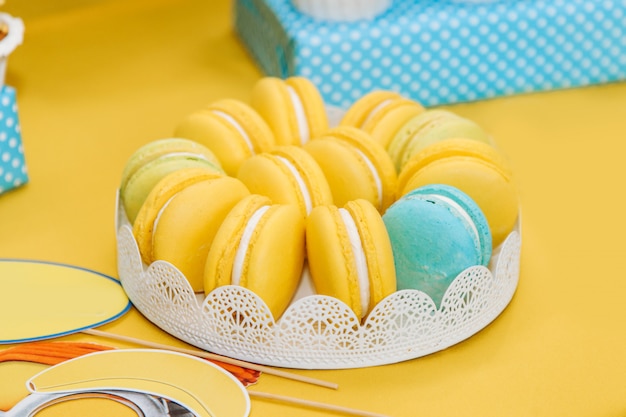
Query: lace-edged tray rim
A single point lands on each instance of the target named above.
(436, 330)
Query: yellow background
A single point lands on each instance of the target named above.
(96, 79)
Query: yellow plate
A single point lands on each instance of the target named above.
(198, 385)
(40, 300)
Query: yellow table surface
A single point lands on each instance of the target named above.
(95, 79)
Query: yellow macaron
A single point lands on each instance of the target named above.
(232, 129)
(287, 175)
(293, 108)
(181, 216)
(259, 246)
(355, 166)
(349, 255)
(381, 113)
(474, 167)
(156, 159)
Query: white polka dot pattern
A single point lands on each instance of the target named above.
(13, 171)
(439, 52)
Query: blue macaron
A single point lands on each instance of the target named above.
(436, 232)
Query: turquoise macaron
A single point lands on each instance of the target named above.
(436, 232)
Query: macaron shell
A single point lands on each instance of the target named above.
(475, 168)
(427, 128)
(145, 179)
(330, 258)
(378, 156)
(349, 179)
(282, 235)
(311, 172)
(280, 231)
(188, 223)
(160, 148)
(207, 126)
(361, 110)
(260, 133)
(265, 174)
(352, 178)
(454, 147)
(377, 247)
(219, 263)
(271, 99)
(431, 243)
(456, 128)
(313, 103)
(165, 189)
(386, 126)
(470, 207)
(405, 134)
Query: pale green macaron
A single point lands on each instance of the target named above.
(154, 160)
(430, 127)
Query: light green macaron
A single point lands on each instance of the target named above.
(154, 160)
(430, 127)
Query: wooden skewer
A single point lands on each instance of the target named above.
(207, 355)
(261, 368)
(314, 404)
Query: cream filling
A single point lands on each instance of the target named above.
(237, 126)
(155, 223)
(375, 110)
(304, 190)
(185, 154)
(460, 210)
(377, 180)
(173, 154)
(359, 259)
(244, 243)
(303, 123)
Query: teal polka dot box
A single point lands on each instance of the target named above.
(437, 51)
(13, 173)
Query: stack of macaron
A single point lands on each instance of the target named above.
(249, 193)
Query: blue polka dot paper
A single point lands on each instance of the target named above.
(440, 52)
(13, 171)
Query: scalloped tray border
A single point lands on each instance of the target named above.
(317, 332)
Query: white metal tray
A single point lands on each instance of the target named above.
(317, 332)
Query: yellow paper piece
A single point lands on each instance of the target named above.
(198, 385)
(40, 300)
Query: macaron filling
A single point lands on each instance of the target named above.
(359, 259)
(375, 111)
(377, 180)
(461, 212)
(183, 155)
(155, 223)
(304, 190)
(244, 243)
(231, 120)
(303, 123)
